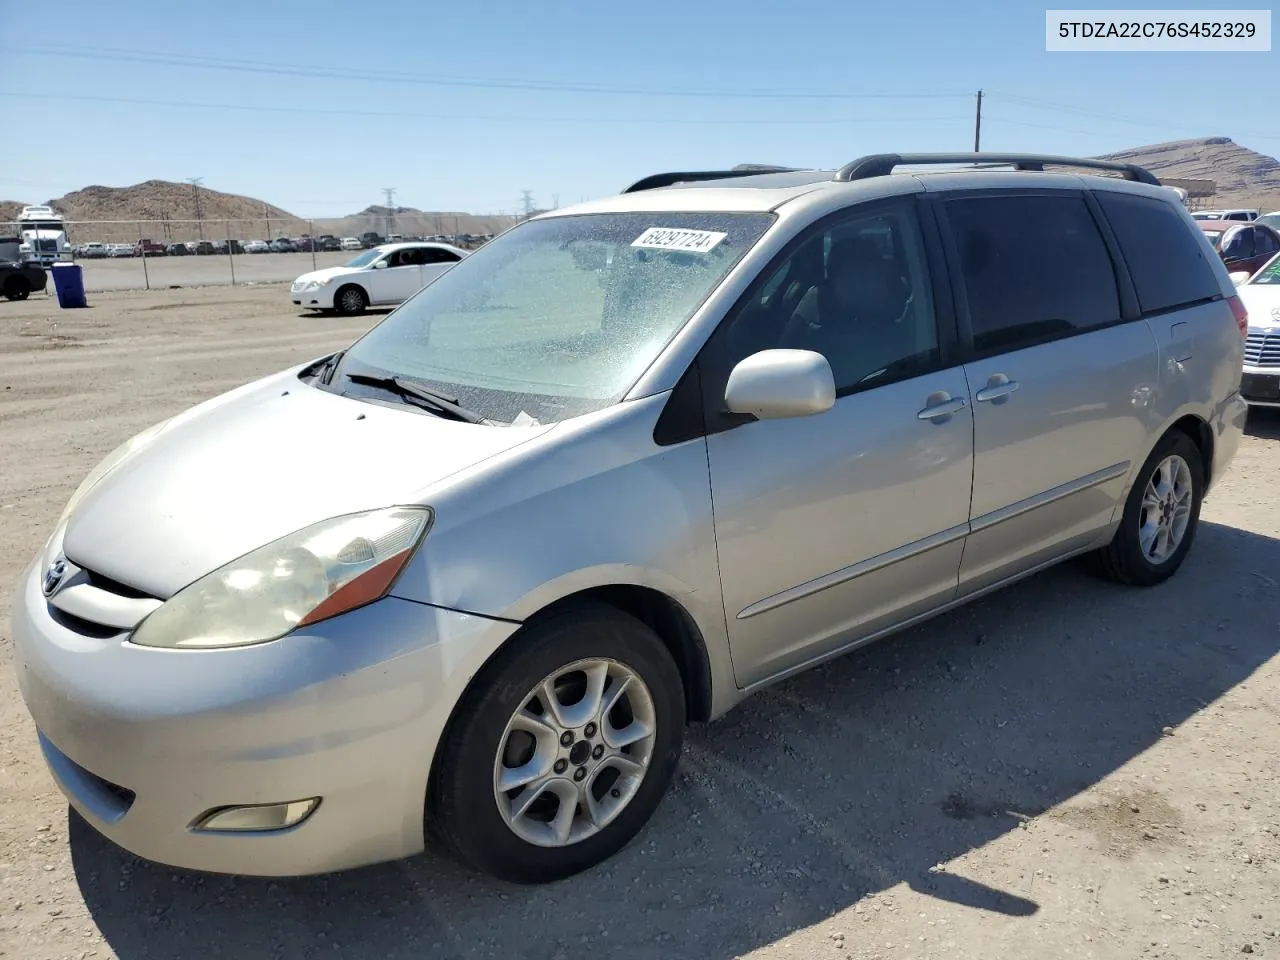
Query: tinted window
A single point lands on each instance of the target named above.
(856, 291)
(1239, 245)
(1265, 242)
(1034, 269)
(436, 255)
(1166, 260)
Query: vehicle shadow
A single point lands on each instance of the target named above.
(852, 778)
(1263, 423)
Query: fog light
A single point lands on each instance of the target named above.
(261, 816)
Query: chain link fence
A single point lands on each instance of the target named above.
(155, 254)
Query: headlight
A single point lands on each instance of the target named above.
(109, 463)
(312, 285)
(319, 572)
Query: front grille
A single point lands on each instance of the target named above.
(86, 628)
(1262, 350)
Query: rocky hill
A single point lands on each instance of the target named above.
(1244, 177)
(173, 207)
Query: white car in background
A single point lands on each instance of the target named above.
(350, 243)
(257, 246)
(1260, 294)
(120, 250)
(387, 274)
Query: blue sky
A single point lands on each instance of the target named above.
(462, 106)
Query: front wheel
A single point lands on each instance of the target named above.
(350, 300)
(562, 749)
(17, 289)
(1160, 517)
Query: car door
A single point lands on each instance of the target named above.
(399, 279)
(1058, 370)
(833, 527)
(435, 261)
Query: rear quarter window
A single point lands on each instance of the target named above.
(1168, 263)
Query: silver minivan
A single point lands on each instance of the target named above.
(621, 467)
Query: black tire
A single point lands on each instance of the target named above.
(350, 300)
(16, 288)
(462, 810)
(1123, 559)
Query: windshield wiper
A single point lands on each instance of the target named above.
(438, 403)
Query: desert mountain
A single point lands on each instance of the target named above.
(1244, 177)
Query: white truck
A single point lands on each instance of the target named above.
(44, 235)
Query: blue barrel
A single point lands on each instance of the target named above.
(68, 281)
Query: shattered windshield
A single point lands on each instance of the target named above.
(557, 317)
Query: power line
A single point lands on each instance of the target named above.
(195, 185)
(153, 58)
(1046, 105)
(496, 118)
(390, 194)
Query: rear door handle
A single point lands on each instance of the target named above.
(998, 388)
(940, 405)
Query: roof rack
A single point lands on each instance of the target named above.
(657, 180)
(882, 164)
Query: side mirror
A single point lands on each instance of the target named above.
(1240, 276)
(381, 264)
(776, 384)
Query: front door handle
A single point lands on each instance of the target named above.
(997, 389)
(941, 405)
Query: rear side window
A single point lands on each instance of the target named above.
(1035, 268)
(1166, 259)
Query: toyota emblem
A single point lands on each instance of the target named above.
(53, 577)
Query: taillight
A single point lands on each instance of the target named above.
(1241, 314)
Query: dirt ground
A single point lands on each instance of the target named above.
(1066, 769)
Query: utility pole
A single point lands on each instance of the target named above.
(390, 193)
(195, 185)
(266, 215)
(555, 201)
(527, 200)
(977, 126)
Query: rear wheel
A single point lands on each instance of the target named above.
(1160, 517)
(350, 300)
(16, 288)
(562, 749)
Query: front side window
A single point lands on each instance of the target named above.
(856, 291)
(1034, 268)
(1239, 245)
(557, 317)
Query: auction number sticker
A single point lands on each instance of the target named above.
(671, 238)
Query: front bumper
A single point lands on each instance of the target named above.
(143, 742)
(321, 299)
(1260, 386)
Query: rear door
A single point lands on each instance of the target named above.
(1058, 371)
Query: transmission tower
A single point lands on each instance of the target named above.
(195, 186)
(527, 200)
(390, 193)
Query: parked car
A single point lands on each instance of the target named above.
(351, 243)
(120, 250)
(202, 248)
(387, 274)
(467, 573)
(149, 248)
(1260, 383)
(282, 245)
(178, 250)
(257, 246)
(328, 242)
(222, 246)
(94, 251)
(19, 280)
(1271, 220)
(371, 239)
(1244, 247)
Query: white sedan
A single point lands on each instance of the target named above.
(351, 243)
(388, 274)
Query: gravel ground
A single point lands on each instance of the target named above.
(1069, 764)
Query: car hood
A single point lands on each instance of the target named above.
(327, 274)
(246, 469)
